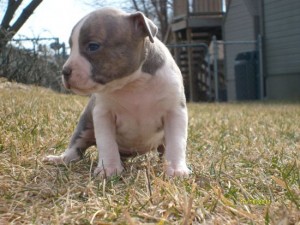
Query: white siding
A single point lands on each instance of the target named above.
(238, 26)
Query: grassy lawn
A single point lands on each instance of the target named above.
(245, 160)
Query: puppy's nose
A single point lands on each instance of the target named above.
(67, 71)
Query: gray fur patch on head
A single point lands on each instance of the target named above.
(155, 57)
(120, 52)
(122, 48)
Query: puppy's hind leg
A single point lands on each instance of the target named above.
(82, 138)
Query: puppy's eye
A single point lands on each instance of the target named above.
(93, 46)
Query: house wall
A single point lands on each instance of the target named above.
(238, 26)
(282, 48)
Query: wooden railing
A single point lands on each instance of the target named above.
(207, 6)
(204, 7)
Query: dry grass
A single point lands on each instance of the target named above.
(245, 160)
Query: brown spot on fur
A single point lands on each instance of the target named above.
(183, 103)
(160, 129)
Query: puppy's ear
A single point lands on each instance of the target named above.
(143, 26)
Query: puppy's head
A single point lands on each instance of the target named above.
(106, 45)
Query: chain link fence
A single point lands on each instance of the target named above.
(243, 69)
(221, 71)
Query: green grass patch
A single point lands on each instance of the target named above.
(245, 160)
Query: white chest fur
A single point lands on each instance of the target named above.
(137, 111)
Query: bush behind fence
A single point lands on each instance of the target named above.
(38, 66)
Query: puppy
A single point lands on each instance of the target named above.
(137, 101)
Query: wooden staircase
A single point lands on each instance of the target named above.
(195, 23)
(192, 59)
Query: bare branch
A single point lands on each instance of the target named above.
(135, 5)
(145, 8)
(25, 15)
(12, 7)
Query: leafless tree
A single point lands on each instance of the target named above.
(8, 30)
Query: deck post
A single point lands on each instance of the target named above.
(216, 56)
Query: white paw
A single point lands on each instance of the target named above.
(61, 159)
(177, 171)
(108, 171)
(70, 155)
(54, 159)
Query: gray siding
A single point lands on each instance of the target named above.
(282, 48)
(238, 26)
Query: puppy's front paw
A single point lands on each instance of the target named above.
(70, 155)
(108, 171)
(178, 171)
(54, 159)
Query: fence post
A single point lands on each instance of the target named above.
(216, 56)
(261, 71)
(209, 75)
